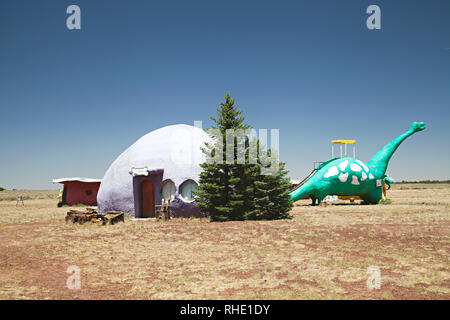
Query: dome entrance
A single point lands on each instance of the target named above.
(148, 198)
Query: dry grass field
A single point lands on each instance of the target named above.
(322, 253)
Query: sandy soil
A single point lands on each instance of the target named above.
(322, 253)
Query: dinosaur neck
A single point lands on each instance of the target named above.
(378, 164)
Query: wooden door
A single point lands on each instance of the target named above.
(148, 199)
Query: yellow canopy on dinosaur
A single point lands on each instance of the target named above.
(343, 141)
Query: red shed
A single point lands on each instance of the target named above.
(79, 190)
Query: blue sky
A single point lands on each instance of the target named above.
(72, 100)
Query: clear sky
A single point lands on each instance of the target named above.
(72, 100)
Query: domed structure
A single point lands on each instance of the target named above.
(163, 165)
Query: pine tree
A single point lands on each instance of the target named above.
(238, 191)
(271, 191)
(218, 194)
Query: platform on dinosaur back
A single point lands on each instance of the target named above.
(343, 141)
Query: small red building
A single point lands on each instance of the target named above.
(79, 190)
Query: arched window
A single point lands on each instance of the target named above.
(187, 190)
(168, 190)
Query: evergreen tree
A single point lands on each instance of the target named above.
(238, 191)
(271, 191)
(218, 195)
(272, 195)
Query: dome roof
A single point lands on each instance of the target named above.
(175, 148)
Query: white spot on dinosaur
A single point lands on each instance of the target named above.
(343, 165)
(355, 167)
(371, 176)
(355, 180)
(343, 177)
(363, 165)
(364, 176)
(332, 171)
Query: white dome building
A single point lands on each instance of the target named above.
(163, 165)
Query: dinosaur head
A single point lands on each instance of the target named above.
(380, 160)
(417, 126)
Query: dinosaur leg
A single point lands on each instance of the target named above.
(376, 195)
(373, 197)
(366, 199)
(321, 196)
(313, 199)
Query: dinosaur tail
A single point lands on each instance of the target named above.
(300, 192)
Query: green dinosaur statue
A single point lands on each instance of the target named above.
(350, 176)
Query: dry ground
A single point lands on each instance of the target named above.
(322, 253)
